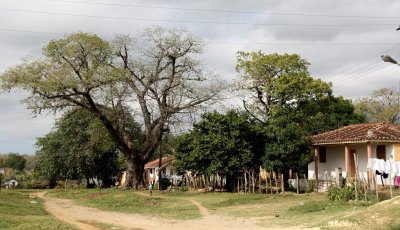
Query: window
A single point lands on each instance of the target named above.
(322, 155)
(381, 152)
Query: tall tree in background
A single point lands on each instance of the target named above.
(79, 147)
(275, 83)
(15, 161)
(292, 105)
(382, 106)
(154, 74)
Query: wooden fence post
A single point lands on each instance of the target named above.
(270, 182)
(376, 187)
(253, 181)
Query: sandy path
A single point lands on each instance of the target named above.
(81, 217)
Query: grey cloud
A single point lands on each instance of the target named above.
(19, 130)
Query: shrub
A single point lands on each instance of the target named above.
(164, 183)
(311, 186)
(184, 188)
(348, 192)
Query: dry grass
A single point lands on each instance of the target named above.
(288, 210)
(19, 210)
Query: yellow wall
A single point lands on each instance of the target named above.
(396, 152)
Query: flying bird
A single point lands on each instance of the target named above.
(387, 58)
(398, 28)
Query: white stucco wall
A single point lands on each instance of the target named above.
(335, 158)
(169, 170)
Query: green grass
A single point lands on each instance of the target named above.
(278, 210)
(132, 202)
(19, 211)
(270, 211)
(104, 226)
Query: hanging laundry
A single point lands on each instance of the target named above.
(388, 167)
(382, 165)
(397, 173)
(397, 180)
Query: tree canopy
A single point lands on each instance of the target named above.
(292, 105)
(221, 143)
(276, 83)
(155, 75)
(383, 105)
(15, 161)
(79, 147)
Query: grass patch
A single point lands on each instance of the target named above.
(132, 202)
(19, 211)
(287, 210)
(311, 206)
(104, 226)
(393, 227)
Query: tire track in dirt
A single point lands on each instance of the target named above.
(203, 211)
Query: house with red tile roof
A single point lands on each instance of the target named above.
(336, 149)
(167, 171)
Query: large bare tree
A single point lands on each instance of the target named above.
(153, 77)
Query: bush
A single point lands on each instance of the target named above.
(164, 183)
(311, 186)
(184, 188)
(348, 192)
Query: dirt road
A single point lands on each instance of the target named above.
(84, 217)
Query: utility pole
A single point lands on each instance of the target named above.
(159, 161)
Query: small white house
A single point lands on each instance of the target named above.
(166, 167)
(336, 149)
(12, 183)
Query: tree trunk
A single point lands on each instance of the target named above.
(134, 174)
(230, 180)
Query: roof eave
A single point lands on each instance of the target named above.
(354, 141)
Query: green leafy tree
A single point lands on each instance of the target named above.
(329, 113)
(154, 74)
(276, 83)
(221, 143)
(79, 147)
(15, 161)
(291, 104)
(382, 106)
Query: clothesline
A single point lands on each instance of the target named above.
(382, 166)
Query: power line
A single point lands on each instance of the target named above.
(357, 72)
(228, 42)
(359, 66)
(29, 31)
(347, 75)
(197, 22)
(367, 71)
(305, 44)
(227, 11)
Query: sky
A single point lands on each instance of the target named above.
(342, 40)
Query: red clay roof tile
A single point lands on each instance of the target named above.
(359, 133)
(154, 163)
